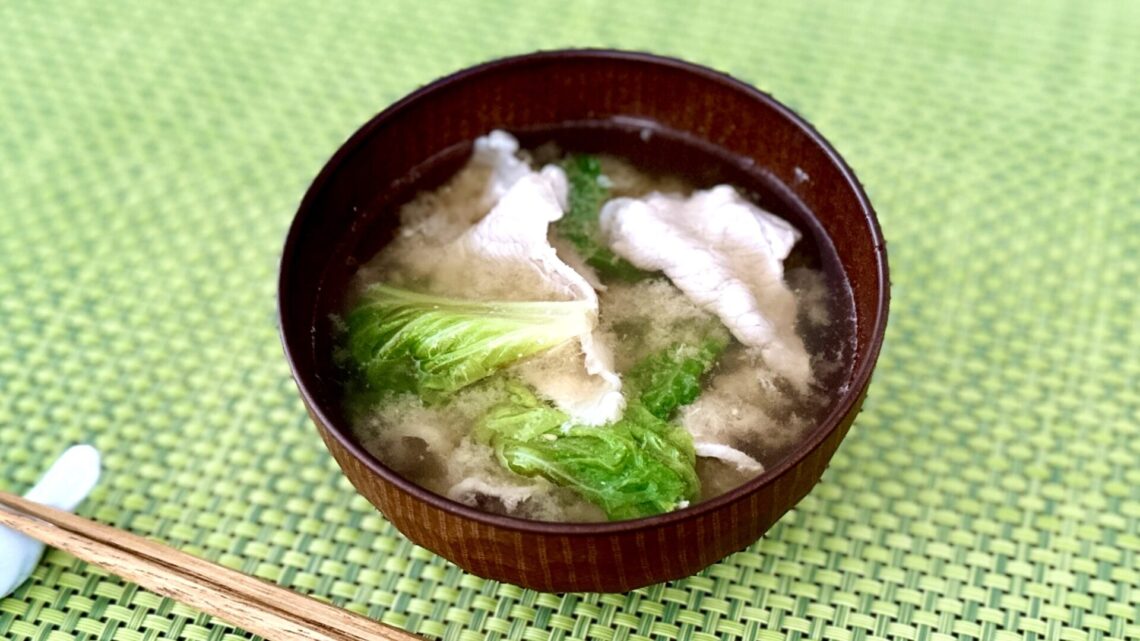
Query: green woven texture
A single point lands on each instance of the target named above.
(152, 157)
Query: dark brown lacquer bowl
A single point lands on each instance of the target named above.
(691, 120)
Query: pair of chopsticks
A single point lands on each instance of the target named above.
(263, 608)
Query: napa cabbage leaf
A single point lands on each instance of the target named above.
(402, 341)
(579, 225)
(637, 466)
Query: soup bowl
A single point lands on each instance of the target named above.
(582, 98)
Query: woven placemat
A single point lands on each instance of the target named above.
(153, 155)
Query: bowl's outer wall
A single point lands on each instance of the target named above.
(616, 562)
(544, 89)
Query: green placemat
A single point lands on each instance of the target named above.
(151, 158)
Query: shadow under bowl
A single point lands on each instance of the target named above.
(588, 100)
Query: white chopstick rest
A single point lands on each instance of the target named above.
(64, 486)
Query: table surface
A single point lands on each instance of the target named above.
(153, 156)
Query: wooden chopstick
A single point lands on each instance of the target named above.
(263, 608)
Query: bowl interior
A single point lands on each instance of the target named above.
(664, 115)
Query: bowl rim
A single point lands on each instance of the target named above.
(859, 381)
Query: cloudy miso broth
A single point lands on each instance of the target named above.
(572, 338)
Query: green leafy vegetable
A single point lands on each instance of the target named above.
(522, 417)
(637, 466)
(402, 341)
(664, 381)
(580, 224)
